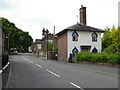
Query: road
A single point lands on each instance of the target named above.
(28, 71)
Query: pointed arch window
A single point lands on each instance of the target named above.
(94, 50)
(75, 36)
(74, 51)
(94, 37)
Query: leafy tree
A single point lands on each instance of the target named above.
(16, 38)
(111, 40)
(52, 46)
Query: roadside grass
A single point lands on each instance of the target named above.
(98, 57)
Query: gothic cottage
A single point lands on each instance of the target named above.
(78, 38)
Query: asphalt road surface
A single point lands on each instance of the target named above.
(29, 71)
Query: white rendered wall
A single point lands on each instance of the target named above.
(84, 39)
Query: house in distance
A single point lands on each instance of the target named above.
(79, 37)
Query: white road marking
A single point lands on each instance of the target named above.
(52, 73)
(6, 66)
(76, 86)
(38, 65)
(1, 71)
(25, 59)
(30, 61)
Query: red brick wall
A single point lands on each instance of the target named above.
(62, 47)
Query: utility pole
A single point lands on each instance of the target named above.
(8, 45)
(47, 32)
(54, 30)
(54, 42)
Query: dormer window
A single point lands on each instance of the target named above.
(75, 36)
(94, 37)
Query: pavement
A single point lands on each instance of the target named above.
(111, 70)
(29, 71)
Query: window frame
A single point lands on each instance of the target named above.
(75, 36)
(94, 37)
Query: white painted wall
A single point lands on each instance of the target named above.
(83, 39)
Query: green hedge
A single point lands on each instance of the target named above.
(97, 57)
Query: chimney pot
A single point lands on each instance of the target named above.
(81, 6)
(43, 31)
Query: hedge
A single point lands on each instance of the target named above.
(97, 57)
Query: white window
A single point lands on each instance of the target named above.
(39, 46)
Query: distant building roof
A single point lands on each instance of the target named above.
(80, 27)
(47, 36)
(38, 41)
(33, 43)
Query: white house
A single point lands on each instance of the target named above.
(79, 37)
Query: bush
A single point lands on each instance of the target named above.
(112, 59)
(97, 57)
(83, 56)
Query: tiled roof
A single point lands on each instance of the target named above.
(80, 27)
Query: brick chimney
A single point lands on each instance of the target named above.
(43, 32)
(83, 15)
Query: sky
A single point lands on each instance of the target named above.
(33, 15)
(119, 13)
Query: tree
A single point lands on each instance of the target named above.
(111, 40)
(52, 46)
(16, 38)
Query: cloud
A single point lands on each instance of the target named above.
(33, 15)
(119, 13)
(8, 5)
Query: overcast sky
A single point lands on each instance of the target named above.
(33, 15)
(119, 13)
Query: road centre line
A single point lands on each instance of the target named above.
(25, 58)
(38, 65)
(52, 73)
(76, 86)
(30, 61)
